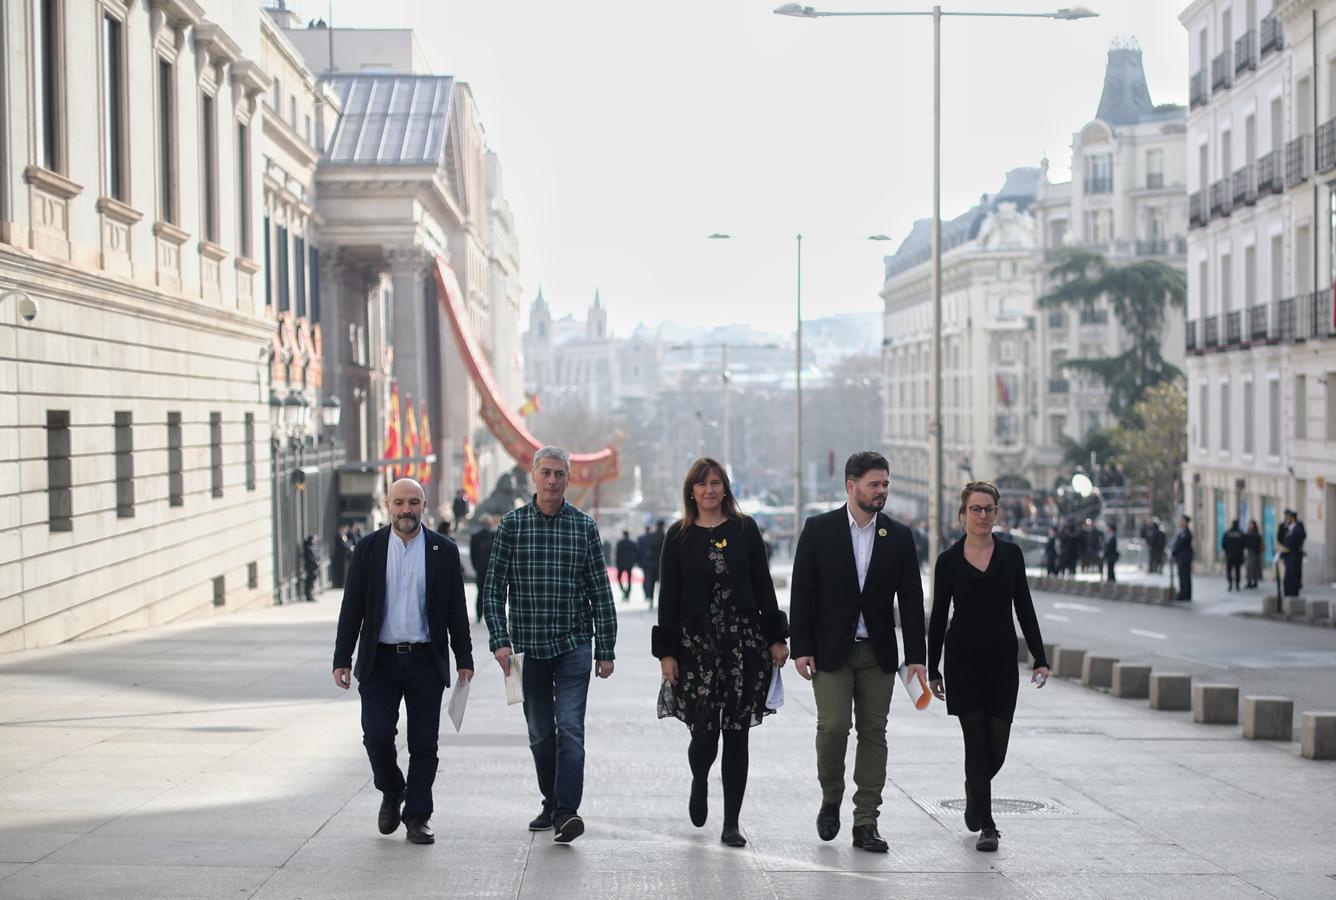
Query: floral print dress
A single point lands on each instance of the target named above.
(723, 663)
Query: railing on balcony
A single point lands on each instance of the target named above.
(1269, 180)
(1094, 317)
(1326, 146)
(1222, 72)
(1154, 180)
(1190, 334)
(1272, 37)
(1162, 247)
(1197, 210)
(1298, 159)
(1058, 385)
(1220, 199)
(1212, 329)
(1324, 325)
(1245, 57)
(1283, 327)
(1257, 330)
(1245, 192)
(1057, 319)
(1197, 94)
(1098, 184)
(1233, 328)
(1305, 306)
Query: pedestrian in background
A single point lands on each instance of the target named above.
(311, 564)
(1051, 552)
(1110, 552)
(547, 596)
(1290, 538)
(459, 508)
(480, 554)
(1252, 544)
(625, 562)
(649, 549)
(1158, 540)
(1233, 543)
(1181, 552)
(977, 583)
(719, 638)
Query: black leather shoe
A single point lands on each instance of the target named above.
(699, 807)
(542, 821)
(866, 838)
(971, 814)
(732, 837)
(418, 832)
(987, 841)
(828, 821)
(388, 820)
(569, 828)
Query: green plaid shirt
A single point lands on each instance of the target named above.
(552, 570)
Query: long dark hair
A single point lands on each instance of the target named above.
(699, 471)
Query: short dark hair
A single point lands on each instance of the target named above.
(862, 462)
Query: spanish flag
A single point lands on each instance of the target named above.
(531, 406)
(469, 481)
(392, 433)
(410, 441)
(424, 467)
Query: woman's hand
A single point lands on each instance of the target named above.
(1040, 676)
(668, 666)
(937, 688)
(779, 652)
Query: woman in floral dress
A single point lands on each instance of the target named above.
(719, 637)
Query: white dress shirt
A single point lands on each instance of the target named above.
(405, 591)
(862, 537)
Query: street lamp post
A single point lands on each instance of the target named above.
(935, 512)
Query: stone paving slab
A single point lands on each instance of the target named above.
(215, 759)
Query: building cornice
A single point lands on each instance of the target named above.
(1289, 11)
(287, 137)
(250, 78)
(210, 38)
(181, 13)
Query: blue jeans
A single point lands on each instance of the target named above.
(555, 691)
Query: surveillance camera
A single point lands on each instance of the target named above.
(27, 308)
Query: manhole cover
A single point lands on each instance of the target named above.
(1002, 806)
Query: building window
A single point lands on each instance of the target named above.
(1155, 168)
(175, 471)
(125, 466)
(284, 282)
(1226, 283)
(1203, 417)
(1249, 417)
(299, 257)
(1273, 412)
(216, 454)
(1331, 406)
(1224, 416)
(243, 191)
(313, 267)
(59, 496)
(209, 167)
(1300, 407)
(276, 96)
(292, 111)
(268, 271)
(219, 590)
(252, 575)
(1249, 277)
(115, 169)
(250, 451)
(48, 84)
(1098, 175)
(167, 208)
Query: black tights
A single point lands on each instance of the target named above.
(701, 752)
(985, 751)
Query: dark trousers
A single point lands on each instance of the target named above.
(477, 603)
(1233, 572)
(651, 579)
(624, 581)
(1294, 573)
(555, 692)
(1108, 568)
(413, 678)
(1184, 579)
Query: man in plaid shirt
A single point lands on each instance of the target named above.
(547, 558)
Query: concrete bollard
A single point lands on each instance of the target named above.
(1050, 654)
(1318, 735)
(1294, 606)
(1069, 661)
(1215, 704)
(1270, 605)
(1022, 651)
(1097, 671)
(1131, 681)
(1319, 610)
(1268, 718)
(1170, 690)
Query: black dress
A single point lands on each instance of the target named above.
(981, 640)
(723, 658)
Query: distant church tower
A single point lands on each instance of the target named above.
(597, 324)
(540, 320)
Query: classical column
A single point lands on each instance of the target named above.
(408, 322)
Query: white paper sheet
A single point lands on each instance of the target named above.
(459, 698)
(514, 681)
(918, 695)
(774, 698)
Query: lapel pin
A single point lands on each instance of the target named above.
(881, 532)
(438, 546)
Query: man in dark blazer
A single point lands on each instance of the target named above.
(402, 603)
(850, 565)
(1181, 553)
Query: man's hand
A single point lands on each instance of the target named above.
(779, 653)
(806, 666)
(603, 668)
(343, 678)
(503, 655)
(937, 688)
(465, 675)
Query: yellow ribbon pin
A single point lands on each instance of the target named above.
(721, 544)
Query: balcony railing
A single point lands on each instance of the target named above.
(1324, 325)
(1220, 199)
(1312, 316)
(1154, 180)
(1177, 246)
(1283, 327)
(1269, 181)
(1326, 146)
(1245, 192)
(1298, 160)
(1212, 330)
(1197, 214)
(1057, 319)
(1058, 385)
(1257, 330)
(1098, 184)
(1272, 37)
(1197, 94)
(1245, 57)
(1222, 72)
(1190, 333)
(1233, 328)
(1094, 317)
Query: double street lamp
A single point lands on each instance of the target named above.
(935, 512)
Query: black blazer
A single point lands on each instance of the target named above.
(825, 601)
(686, 581)
(363, 610)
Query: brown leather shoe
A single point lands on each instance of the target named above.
(419, 832)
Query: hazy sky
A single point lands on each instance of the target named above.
(629, 130)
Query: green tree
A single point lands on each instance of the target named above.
(1153, 451)
(1077, 453)
(1140, 295)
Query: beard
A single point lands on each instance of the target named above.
(873, 505)
(406, 522)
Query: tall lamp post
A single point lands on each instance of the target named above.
(935, 513)
(797, 370)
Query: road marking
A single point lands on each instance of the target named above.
(1057, 618)
(1079, 607)
(1150, 634)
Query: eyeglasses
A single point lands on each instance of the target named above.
(981, 510)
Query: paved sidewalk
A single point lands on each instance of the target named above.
(216, 759)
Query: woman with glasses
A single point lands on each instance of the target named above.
(983, 578)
